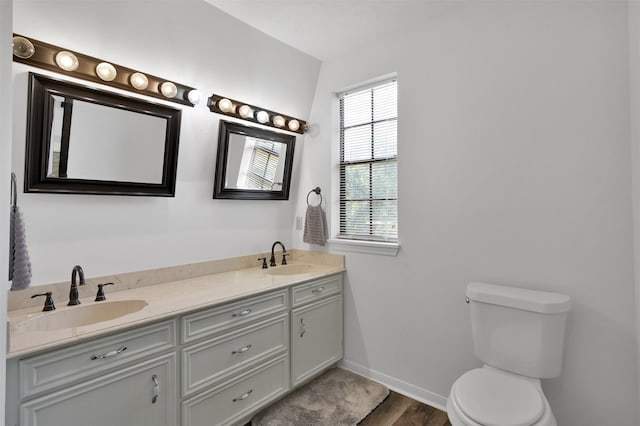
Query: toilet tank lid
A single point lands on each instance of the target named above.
(544, 302)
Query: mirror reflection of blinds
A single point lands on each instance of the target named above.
(368, 163)
(263, 165)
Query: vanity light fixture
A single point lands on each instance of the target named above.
(106, 71)
(54, 58)
(67, 60)
(227, 106)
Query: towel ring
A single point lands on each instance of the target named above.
(317, 191)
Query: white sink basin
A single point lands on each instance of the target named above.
(83, 315)
(293, 269)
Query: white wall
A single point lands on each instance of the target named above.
(513, 168)
(192, 43)
(5, 178)
(634, 79)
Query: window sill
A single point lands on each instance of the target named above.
(369, 247)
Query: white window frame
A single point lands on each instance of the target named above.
(344, 244)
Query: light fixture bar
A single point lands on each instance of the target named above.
(54, 58)
(244, 111)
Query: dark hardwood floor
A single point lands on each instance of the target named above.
(399, 410)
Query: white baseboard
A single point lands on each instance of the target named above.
(404, 388)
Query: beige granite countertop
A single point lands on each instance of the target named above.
(165, 299)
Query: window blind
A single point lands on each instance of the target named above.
(368, 163)
(263, 165)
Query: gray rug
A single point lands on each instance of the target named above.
(337, 397)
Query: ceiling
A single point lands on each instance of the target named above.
(328, 28)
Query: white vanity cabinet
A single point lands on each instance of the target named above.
(316, 327)
(127, 378)
(217, 366)
(235, 359)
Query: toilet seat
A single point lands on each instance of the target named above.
(492, 398)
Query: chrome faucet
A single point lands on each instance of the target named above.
(73, 291)
(272, 261)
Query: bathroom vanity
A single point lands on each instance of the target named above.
(216, 363)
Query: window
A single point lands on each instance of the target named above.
(368, 163)
(259, 164)
(264, 164)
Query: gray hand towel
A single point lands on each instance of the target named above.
(315, 226)
(19, 262)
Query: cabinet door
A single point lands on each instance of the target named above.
(142, 394)
(316, 337)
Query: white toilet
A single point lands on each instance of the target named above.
(519, 336)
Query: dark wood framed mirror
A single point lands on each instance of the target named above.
(81, 140)
(253, 163)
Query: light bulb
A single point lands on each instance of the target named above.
(106, 71)
(245, 111)
(67, 60)
(225, 105)
(278, 121)
(168, 89)
(139, 80)
(194, 96)
(23, 48)
(294, 125)
(262, 116)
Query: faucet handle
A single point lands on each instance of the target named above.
(264, 262)
(48, 302)
(284, 258)
(100, 296)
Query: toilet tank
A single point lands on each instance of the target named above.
(518, 330)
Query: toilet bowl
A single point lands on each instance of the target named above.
(490, 397)
(518, 334)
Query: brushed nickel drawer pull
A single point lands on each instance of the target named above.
(109, 354)
(317, 290)
(156, 389)
(245, 396)
(241, 350)
(243, 313)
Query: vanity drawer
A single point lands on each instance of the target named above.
(61, 367)
(235, 400)
(314, 290)
(215, 320)
(204, 363)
